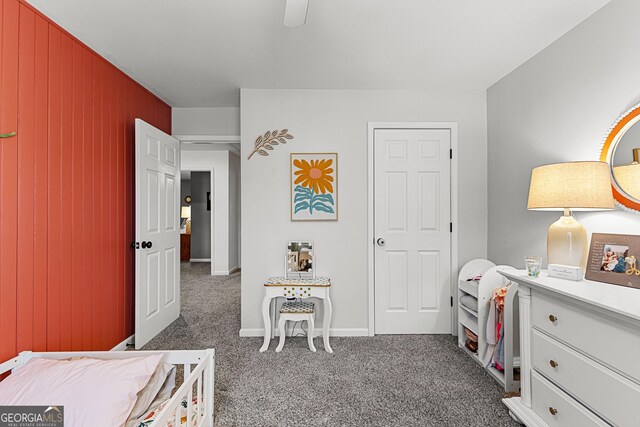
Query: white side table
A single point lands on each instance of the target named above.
(297, 288)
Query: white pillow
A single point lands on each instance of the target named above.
(157, 390)
(93, 392)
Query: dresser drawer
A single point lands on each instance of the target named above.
(613, 342)
(587, 381)
(558, 409)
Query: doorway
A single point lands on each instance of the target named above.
(412, 253)
(223, 165)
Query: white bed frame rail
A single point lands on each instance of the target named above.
(199, 379)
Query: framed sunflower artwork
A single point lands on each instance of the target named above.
(314, 186)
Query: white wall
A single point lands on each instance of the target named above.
(216, 162)
(185, 190)
(200, 216)
(205, 121)
(557, 107)
(234, 211)
(336, 121)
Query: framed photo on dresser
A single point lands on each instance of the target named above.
(614, 259)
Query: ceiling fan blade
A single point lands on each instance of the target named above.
(295, 13)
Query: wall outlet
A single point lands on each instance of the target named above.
(565, 272)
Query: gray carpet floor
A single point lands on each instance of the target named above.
(387, 380)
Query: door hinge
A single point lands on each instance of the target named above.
(451, 153)
(450, 227)
(451, 301)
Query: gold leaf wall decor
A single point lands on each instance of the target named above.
(265, 143)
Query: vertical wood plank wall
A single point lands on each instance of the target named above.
(66, 188)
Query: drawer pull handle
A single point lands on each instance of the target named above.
(553, 363)
(552, 318)
(553, 410)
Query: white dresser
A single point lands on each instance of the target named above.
(580, 353)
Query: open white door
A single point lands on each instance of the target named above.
(157, 231)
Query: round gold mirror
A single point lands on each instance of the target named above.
(621, 149)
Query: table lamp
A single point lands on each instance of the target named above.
(628, 176)
(578, 186)
(185, 213)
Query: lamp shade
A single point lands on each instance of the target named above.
(185, 212)
(576, 185)
(628, 178)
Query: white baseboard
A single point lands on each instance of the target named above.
(200, 260)
(252, 332)
(123, 345)
(225, 272)
(337, 332)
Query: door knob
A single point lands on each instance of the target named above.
(380, 241)
(553, 363)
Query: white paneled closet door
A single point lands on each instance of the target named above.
(412, 191)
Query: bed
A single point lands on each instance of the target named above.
(190, 405)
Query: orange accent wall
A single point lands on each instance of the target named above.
(66, 188)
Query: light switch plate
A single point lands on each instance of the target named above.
(565, 272)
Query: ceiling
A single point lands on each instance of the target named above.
(198, 53)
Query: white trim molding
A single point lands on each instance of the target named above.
(212, 174)
(200, 260)
(453, 127)
(128, 342)
(212, 139)
(222, 272)
(226, 272)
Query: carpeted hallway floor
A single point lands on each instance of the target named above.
(387, 380)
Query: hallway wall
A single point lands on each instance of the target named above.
(200, 216)
(185, 190)
(234, 211)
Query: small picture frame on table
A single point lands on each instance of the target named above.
(299, 260)
(613, 258)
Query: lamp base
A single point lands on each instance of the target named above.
(567, 242)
